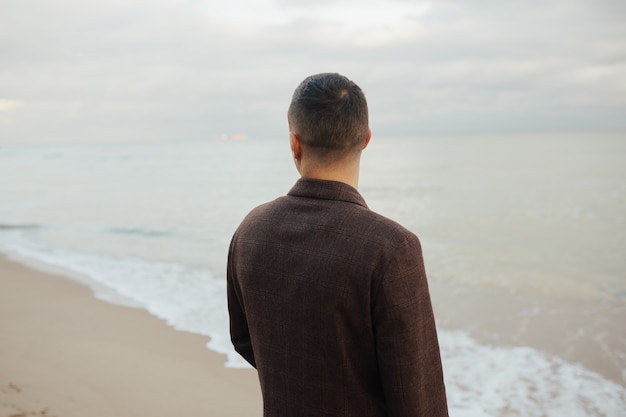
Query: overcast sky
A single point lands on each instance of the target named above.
(193, 69)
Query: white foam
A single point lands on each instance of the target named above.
(519, 381)
(188, 299)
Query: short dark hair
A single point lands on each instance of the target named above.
(328, 112)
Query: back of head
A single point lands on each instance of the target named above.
(328, 113)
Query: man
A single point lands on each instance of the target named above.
(327, 299)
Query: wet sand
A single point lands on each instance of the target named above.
(65, 353)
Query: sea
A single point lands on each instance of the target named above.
(524, 239)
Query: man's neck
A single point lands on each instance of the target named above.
(348, 173)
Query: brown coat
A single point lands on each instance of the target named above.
(329, 301)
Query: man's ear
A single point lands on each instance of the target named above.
(367, 138)
(296, 146)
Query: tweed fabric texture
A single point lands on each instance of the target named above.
(330, 302)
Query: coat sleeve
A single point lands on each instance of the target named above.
(239, 332)
(406, 337)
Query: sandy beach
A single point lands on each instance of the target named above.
(65, 353)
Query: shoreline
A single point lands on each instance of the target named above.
(66, 353)
(584, 332)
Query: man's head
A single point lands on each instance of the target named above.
(328, 114)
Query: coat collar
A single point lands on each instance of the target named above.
(326, 190)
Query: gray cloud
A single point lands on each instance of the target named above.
(177, 69)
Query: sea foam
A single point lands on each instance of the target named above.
(188, 299)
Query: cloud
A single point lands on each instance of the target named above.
(193, 68)
(351, 22)
(350, 13)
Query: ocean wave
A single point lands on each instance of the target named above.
(19, 226)
(485, 380)
(188, 299)
(139, 232)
